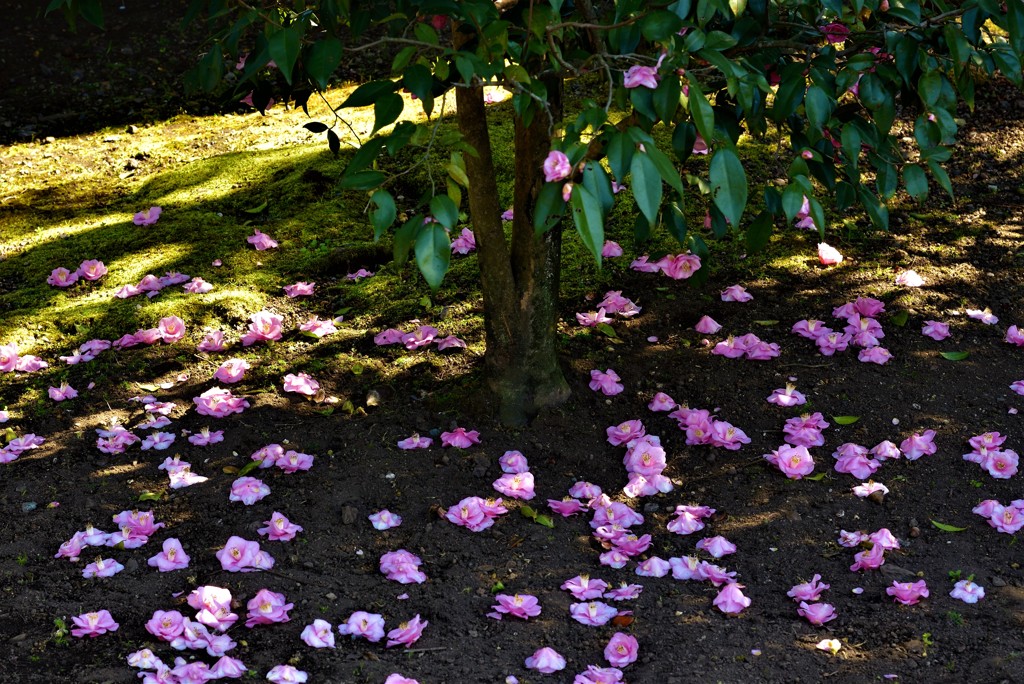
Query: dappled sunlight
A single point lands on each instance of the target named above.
(122, 469)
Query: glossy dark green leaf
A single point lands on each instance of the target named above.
(386, 110)
(916, 182)
(759, 232)
(954, 355)
(646, 186)
(729, 181)
(383, 213)
(444, 210)
(947, 528)
(845, 420)
(284, 45)
(433, 253)
(324, 57)
(702, 113)
(588, 218)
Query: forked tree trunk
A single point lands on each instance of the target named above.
(519, 278)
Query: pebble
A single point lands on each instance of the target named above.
(349, 514)
(28, 506)
(331, 596)
(998, 581)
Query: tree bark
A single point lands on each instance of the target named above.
(519, 282)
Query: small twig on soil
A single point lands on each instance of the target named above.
(424, 650)
(807, 365)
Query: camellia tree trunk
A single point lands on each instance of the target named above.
(519, 276)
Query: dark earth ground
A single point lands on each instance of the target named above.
(785, 530)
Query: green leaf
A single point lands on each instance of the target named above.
(433, 253)
(384, 212)
(646, 186)
(248, 468)
(940, 176)
(528, 512)
(845, 420)
(947, 528)
(420, 82)
(586, 214)
(368, 93)
(324, 58)
(818, 106)
(659, 25)
(916, 181)
(259, 209)
(1015, 25)
(817, 477)
(444, 210)
(545, 520)
(702, 113)
(386, 110)
(729, 181)
(283, 46)
(900, 318)
(496, 587)
(606, 330)
(759, 232)
(549, 209)
(877, 211)
(954, 355)
(150, 496)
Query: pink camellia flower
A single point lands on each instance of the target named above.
(395, 678)
(267, 607)
(261, 241)
(700, 145)
(65, 391)
(851, 540)
(853, 459)
(730, 599)
(626, 592)
(787, 397)
(415, 442)
(986, 316)
(593, 318)
(197, 286)
(817, 613)
(301, 383)
(403, 567)
(248, 490)
(513, 462)
(625, 432)
(611, 249)
(638, 75)
(599, 675)
(707, 326)
(622, 649)
(213, 342)
(287, 674)
(835, 33)
(102, 567)
(680, 266)
(279, 528)
(91, 269)
(866, 489)
(166, 625)
(644, 265)
(546, 660)
(715, 574)
(811, 329)
(556, 167)
(299, 289)
(871, 559)
(967, 591)
(606, 382)
(62, 277)
(653, 567)
(385, 520)
(470, 513)
(361, 273)
(716, 546)
(422, 336)
(173, 557)
(1014, 336)
(736, 293)
(126, 291)
(218, 403)
(93, 624)
(450, 342)
(908, 593)
(808, 591)
(727, 436)
(369, 626)
(523, 606)
(661, 402)
(171, 329)
(232, 371)
(264, 326)
(1001, 464)
(28, 363)
(8, 358)
(566, 507)
(583, 588)
(389, 336)
(319, 634)
(205, 437)
(909, 278)
(158, 441)
(885, 450)
(879, 355)
(516, 485)
(465, 243)
(829, 255)
(1005, 519)
(147, 217)
(407, 633)
(918, 445)
(460, 438)
(316, 327)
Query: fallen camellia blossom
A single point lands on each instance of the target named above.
(908, 593)
(817, 613)
(731, 600)
(147, 217)
(261, 241)
(831, 645)
(787, 397)
(707, 326)
(736, 293)
(407, 633)
(415, 442)
(622, 649)
(967, 591)
(935, 330)
(986, 316)
(319, 634)
(267, 607)
(808, 591)
(287, 674)
(524, 606)
(606, 382)
(403, 567)
(299, 289)
(460, 438)
(93, 624)
(301, 383)
(385, 520)
(546, 660)
(829, 255)
(279, 528)
(909, 278)
(62, 277)
(611, 250)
